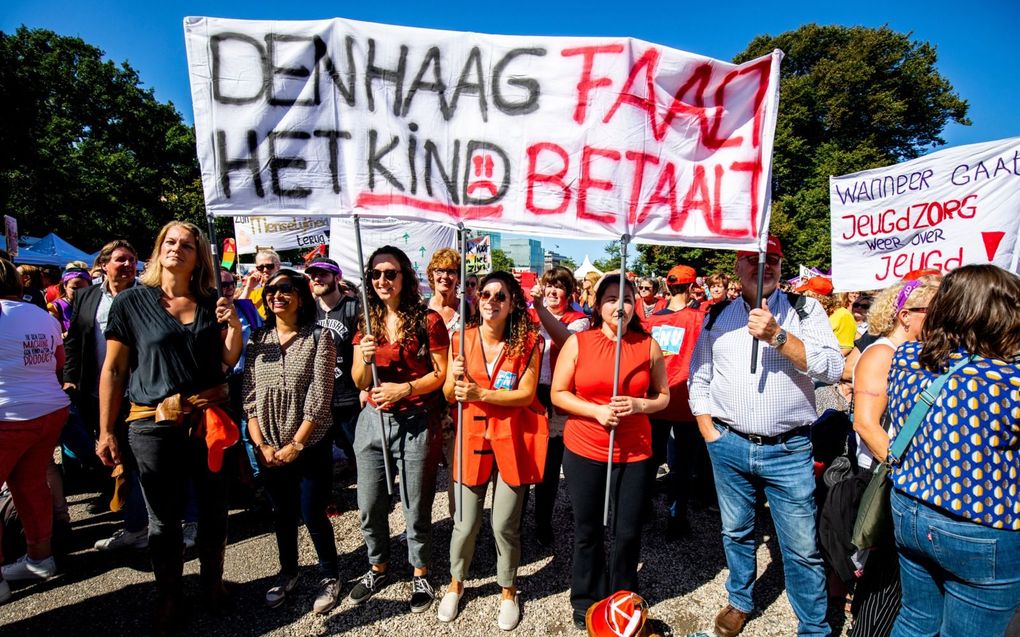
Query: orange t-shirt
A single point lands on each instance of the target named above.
(593, 382)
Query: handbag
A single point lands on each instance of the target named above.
(873, 525)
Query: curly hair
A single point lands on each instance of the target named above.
(827, 302)
(975, 309)
(411, 311)
(882, 315)
(442, 259)
(518, 322)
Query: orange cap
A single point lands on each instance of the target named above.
(680, 274)
(816, 284)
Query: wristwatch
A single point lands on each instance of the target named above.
(297, 445)
(779, 339)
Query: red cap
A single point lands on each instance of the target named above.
(816, 284)
(680, 274)
(773, 247)
(621, 614)
(914, 275)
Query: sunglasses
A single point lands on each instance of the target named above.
(919, 310)
(645, 288)
(862, 306)
(266, 267)
(500, 296)
(471, 284)
(771, 259)
(228, 284)
(391, 275)
(279, 288)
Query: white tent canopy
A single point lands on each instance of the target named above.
(585, 268)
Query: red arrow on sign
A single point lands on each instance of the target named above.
(992, 240)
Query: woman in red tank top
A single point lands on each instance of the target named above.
(582, 387)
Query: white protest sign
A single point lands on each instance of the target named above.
(418, 240)
(479, 255)
(580, 137)
(11, 235)
(950, 208)
(279, 233)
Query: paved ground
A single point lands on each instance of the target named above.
(101, 594)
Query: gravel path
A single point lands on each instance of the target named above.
(102, 594)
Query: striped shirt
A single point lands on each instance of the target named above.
(777, 397)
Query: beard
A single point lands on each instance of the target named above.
(328, 288)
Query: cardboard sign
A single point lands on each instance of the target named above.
(574, 137)
(279, 233)
(950, 208)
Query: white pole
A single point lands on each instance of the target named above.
(366, 281)
(462, 244)
(620, 327)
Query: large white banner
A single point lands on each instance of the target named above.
(950, 208)
(279, 233)
(579, 137)
(418, 240)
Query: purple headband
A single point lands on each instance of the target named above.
(905, 292)
(75, 274)
(325, 265)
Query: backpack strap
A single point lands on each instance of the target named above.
(925, 400)
(316, 335)
(799, 303)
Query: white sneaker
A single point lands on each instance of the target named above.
(284, 584)
(5, 591)
(509, 614)
(190, 531)
(449, 607)
(28, 569)
(124, 540)
(327, 596)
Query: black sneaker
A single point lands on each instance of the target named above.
(421, 594)
(579, 620)
(369, 584)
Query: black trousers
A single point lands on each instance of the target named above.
(593, 576)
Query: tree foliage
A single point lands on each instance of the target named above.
(501, 261)
(852, 98)
(88, 152)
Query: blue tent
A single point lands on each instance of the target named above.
(50, 250)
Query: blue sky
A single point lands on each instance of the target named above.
(976, 41)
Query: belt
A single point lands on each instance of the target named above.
(767, 440)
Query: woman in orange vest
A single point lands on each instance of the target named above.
(582, 386)
(505, 433)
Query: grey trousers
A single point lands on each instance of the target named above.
(507, 505)
(414, 454)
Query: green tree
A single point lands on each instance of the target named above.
(88, 152)
(569, 263)
(501, 261)
(852, 98)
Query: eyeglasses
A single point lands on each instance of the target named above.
(919, 310)
(280, 288)
(771, 259)
(266, 267)
(446, 271)
(391, 275)
(500, 296)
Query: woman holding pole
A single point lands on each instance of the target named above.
(505, 434)
(407, 346)
(582, 388)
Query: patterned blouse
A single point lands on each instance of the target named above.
(283, 388)
(965, 457)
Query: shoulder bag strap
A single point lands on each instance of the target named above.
(920, 409)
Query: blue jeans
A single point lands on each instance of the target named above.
(959, 578)
(785, 472)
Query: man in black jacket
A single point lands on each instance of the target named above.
(85, 351)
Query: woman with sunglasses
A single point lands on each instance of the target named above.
(288, 393)
(168, 342)
(505, 432)
(409, 345)
(896, 317)
(583, 387)
(648, 302)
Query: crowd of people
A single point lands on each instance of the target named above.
(610, 383)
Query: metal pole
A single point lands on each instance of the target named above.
(384, 442)
(215, 245)
(757, 303)
(462, 244)
(620, 328)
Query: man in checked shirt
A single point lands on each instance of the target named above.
(757, 428)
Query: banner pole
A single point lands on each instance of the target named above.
(462, 244)
(214, 245)
(757, 303)
(365, 282)
(620, 327)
